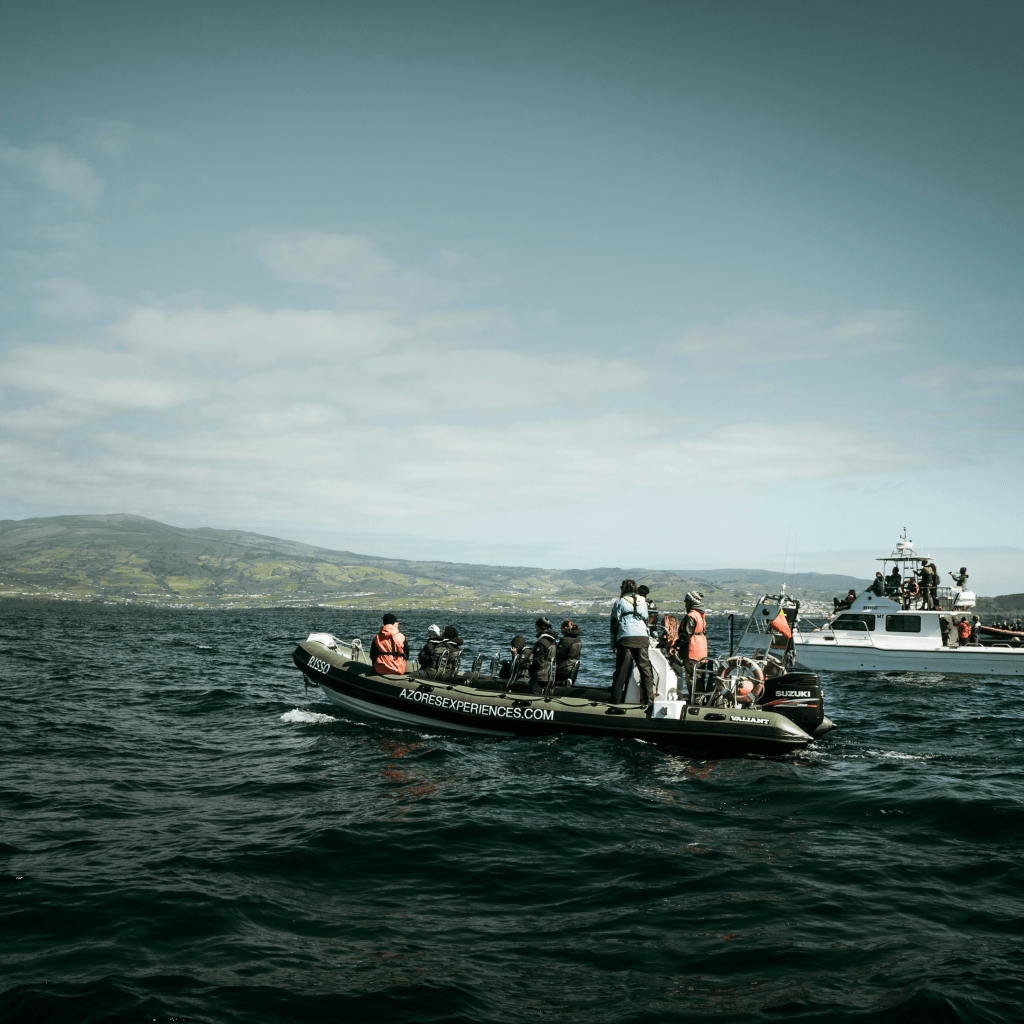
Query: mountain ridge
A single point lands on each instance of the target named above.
(120, 556)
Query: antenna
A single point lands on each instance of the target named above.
(785, 558)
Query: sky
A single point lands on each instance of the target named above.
(677, 285)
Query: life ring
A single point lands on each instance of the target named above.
(748, 674)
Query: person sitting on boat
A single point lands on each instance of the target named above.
(389, 650)
(847, 602)
(631, 642)
(893, 582)
(544, 649)
(877, 586)
(568, 651)
(452, 641)
(960, 579)
(963, 629)
(522, 657)
(693, 643)
(430, 651)
(669, 640)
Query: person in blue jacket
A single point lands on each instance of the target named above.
(631, 642)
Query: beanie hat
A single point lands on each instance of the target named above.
(434, 632)
(390, 619)
(543, 623)
(694, 598)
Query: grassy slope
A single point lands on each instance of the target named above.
(123, 557)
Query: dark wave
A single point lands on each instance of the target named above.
(175, 843)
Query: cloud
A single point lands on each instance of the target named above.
(68, 299)
(349, 265)
(772, 336)
(114, 138)
(999, 375)
(386, 412)
(57, 170)
(246, 336)
(938, 381)
(96, 382)
(953, 379)
(300, 462)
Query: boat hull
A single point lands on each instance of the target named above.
(973, 661)
(457, 706)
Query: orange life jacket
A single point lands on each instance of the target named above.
(389, 651)
(697, 646)
(964, 629)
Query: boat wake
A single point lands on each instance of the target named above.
(301, 717)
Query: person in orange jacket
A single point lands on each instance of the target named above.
(693, 642)
(389, 650)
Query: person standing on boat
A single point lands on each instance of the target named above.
(945, 630)
(389, 650)
(631, 642)
(928, 579)
(693, 641)
(569, 650)
(975, 630)
(652, 609)
(544, 651)
(960, 579)
(893, 582)
(963, 629)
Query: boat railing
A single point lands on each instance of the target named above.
(856, 626)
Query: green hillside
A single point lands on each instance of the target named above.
(130, 558)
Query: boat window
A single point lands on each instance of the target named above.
(857, 622)
(903, 623)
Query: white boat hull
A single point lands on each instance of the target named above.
(971, 661)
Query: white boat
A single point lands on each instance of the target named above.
(895, 632)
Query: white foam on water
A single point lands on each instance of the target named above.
(301, 717)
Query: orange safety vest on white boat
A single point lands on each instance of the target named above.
(697, 646)
(389, 651)
(964, 629)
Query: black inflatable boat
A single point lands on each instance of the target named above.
(715, 722)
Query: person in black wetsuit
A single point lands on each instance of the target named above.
(544, 649)
(429, 652)
(447, 645)
(522, 657)
(569, 650)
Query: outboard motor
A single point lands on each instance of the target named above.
(797, 695)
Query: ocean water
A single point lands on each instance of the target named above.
(186, 836)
